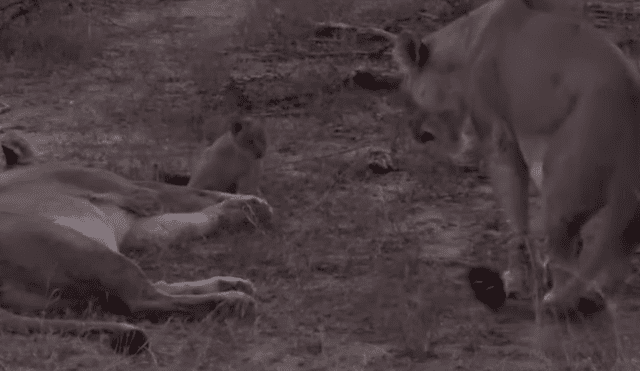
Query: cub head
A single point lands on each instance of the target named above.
(432, 88)
(249, 135)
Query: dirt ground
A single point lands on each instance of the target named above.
(362, 271)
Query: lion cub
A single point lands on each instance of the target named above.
(233, 163)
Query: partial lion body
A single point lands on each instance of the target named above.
(62, 228)
(552, 99)
(548, 102)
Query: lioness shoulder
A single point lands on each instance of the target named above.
(233, 163)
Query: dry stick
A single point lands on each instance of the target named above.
(326, 193)
(333, 54)
(370, 30)
(310, 158)
(429, 16)
(106, 21)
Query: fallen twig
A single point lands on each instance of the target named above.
(333, 54)
(429, 16)
(373, 81)
(324, 27)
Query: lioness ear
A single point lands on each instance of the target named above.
(237, 125)
(11, 156)
(16, 149)
(424, 52)
(410, 53)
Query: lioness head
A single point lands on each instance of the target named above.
(433, 89)
(435, 70)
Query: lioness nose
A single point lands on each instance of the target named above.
(426, 137)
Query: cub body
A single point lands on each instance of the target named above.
(234, 162)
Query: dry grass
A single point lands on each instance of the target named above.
(54, 37)
(361, 271)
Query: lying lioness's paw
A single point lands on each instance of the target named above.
(235, 304)
(223, 284)
(241, 209)
(256, 205)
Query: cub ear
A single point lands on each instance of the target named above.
(410, 53)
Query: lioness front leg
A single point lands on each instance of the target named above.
(510, 179)
(603, 264)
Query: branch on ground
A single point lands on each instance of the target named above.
(373, 81)
(331, 29)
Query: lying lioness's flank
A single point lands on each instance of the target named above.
(549, 98)
(61, 229)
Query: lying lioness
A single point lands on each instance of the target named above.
(61, 229)
(549, 98)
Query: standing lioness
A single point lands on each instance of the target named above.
(550, 98)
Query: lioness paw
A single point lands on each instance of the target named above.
(257, 203)
(223, 284)
(237, 305)
(242, 209)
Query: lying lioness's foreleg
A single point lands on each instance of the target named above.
(140, 202)
(124, 338)
(160, 306)
(123, 279)
(211, 285)
(232, 214)
(181, 199)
